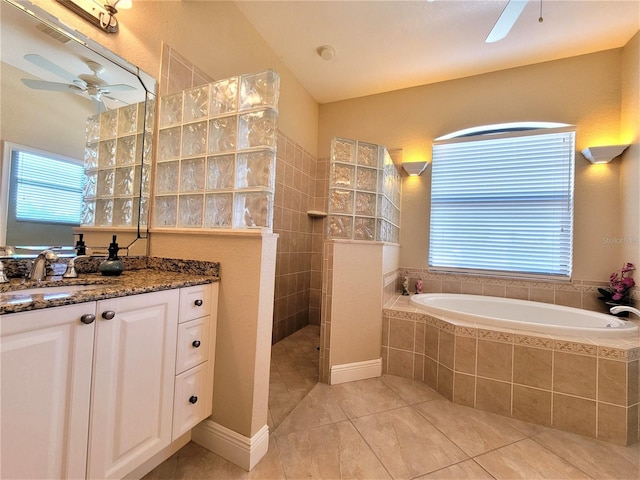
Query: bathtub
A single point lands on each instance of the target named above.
(524, 315)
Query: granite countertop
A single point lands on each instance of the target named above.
(155, 275)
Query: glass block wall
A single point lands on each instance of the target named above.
(217, 154)
(364, 192)
(117, 165)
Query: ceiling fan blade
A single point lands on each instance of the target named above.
(506, 20)
(120, 87)
(51, 67)
(54, 86)
(99, 105)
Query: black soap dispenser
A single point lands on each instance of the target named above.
(81, 248)
(112, 266)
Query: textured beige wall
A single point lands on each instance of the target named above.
(245, 311)
(584, 91)
(356, 309)
(630, 162)
(212, 34)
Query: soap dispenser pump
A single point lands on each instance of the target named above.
(112, 266)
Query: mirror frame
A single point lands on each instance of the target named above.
(147, 82)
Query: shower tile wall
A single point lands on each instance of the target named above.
(294, 196)
(177, 73)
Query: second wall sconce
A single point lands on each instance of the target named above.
(414, 169)
(603, 154)
(101, 13)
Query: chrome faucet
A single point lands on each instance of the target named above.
(624, 308)
(70, 272)
(39, 268)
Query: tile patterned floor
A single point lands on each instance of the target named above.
(391, 427)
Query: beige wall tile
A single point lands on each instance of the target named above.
(495, 360)
(401, 334)
(431, 372)
(431, 341)
(446, 344)
(612, 423)
(633, 380)
(445, 382)
(568, 299)
(419, 341)
(574, 374)
(532, 405)
(465, 354)
(574, 414)
(545, 295)
(633, 424)
(400, 363)
(471, 288)
(519, 293)
(612, 381)
(532, 366)
(493, 396)
(464, 389)
(418, 367)
(494, 290)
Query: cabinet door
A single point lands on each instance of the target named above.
(46, 380)
(133, 380)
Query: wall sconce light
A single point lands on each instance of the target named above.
(603, 154)
(414, 169)
(101, 13)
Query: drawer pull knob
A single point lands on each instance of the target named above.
(193, 399)
(108, 314)
(196, 343)
(198, 303)
(87, 318)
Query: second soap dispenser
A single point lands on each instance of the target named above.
(112, 266)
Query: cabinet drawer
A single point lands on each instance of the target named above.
(193, 343)
(195, 302)
(192, 403)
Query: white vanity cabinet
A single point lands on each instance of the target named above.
(46, 360)
(96, 389)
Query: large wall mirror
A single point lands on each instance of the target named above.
(56, 88)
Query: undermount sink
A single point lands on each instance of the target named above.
(57, 291)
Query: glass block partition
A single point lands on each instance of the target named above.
(117, 164)
(217, 154)
(364, 192)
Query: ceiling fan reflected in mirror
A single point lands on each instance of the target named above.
(508, 18)
(87, 84)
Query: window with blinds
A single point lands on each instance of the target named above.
(47, 188)
(502, 203)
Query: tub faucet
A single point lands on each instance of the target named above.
(39, 268)
(624, 308)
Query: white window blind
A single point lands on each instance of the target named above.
(48, 189)
(502, 204)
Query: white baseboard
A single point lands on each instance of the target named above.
(350, 372)
(238, 449)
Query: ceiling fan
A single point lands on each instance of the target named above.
(89, 84)
(507, 18)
